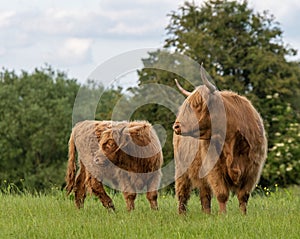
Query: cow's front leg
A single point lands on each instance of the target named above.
(222, 200)
(220, 189)
(205, 196)
(183, 188)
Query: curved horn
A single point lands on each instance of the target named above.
(120, 136)
(183, 91)
(209, 85)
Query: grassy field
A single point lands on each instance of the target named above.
(55, 216)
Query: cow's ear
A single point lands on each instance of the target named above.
(100, 128)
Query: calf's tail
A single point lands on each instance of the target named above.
(71, 168)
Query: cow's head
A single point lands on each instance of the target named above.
(195, 115)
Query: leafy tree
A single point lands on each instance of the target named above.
(283, 165)
(94, 101)
(243, 51)
(35, 114)
(107, 102)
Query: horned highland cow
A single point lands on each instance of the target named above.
(124, 155)
(240, 146)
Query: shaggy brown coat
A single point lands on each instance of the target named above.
(241, 157)
(124, 155)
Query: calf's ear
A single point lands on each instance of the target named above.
(136, 130)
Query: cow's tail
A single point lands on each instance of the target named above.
(71, 168)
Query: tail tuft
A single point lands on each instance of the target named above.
(71, 168)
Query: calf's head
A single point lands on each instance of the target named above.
(125, 139)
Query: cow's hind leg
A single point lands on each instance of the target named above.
(205, 196)
(243, 196)
(99, 191)
(250, 177)
(80, 187)
(246, 188)
(183, 188)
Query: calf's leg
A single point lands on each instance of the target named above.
(152, 198)
(98, 190)
(129, 198)
(80, 187)
(152, 187)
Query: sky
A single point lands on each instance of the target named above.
(77, 36)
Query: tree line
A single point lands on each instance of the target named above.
(242, 50)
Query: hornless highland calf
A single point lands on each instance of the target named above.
(214, 152)
(124, 155)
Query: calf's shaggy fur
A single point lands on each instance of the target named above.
(123, 155)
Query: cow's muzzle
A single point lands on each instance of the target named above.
(177, 128)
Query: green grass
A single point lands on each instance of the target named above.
(55, 216)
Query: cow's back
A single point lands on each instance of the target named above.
(243, 117)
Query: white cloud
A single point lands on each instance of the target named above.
(2, 51)
(278, 8)
(287, 14)
(92, 23)
(6, 17)
(80, 34)
(106, 19)
(73, 51)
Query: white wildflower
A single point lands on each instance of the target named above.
(278, 154)
(279, 144)
(290, 140)
(289, 168)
